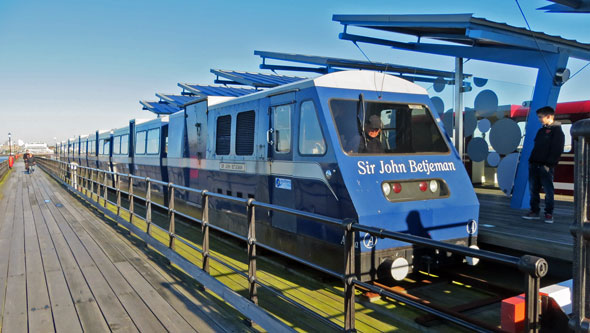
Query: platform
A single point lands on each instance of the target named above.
(502, 226)
(64, 269)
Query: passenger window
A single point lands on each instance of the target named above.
(140, 143)
(117, 145)
(311, 139)
(153, 141)
(223, 138)
(125, 144)
(107, 147)
(100, 147)
(245, 126)
(282, 128)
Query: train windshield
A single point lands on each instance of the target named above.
(373, 128)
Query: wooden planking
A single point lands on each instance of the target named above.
(503, 226)
(190, 308)
(6, 222)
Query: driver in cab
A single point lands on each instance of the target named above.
(372, 142)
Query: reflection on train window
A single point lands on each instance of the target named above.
(245, 125)
(92, 147)
(83, 148)
(282, 128)
(125, 144)
(386, 128)
(153, 141)
(117, 145)
(311, 139)
(107, 147)
(566, 127)
(223, 137)
(140, 142)
(100, 147)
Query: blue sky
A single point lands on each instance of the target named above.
(71, 67)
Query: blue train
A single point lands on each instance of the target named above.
(350, 144)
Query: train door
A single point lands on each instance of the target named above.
(280, 142)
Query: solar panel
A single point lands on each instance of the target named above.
(177, 100)
(207, 90)
(258, 80)
(159, 107)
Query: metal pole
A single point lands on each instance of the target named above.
(106, 189)
(253, 291)
(459, 106)
(118, 195)
(92, 184)
(349, 288)
(171, 224)
(131, 200)
(205, 229)
(9, 144)
(534, 268)
(580, 229)
(148, 204)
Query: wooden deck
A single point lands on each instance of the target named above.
(64, 269)
(503, 226)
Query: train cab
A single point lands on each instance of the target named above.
(104, 150)
(149, 156)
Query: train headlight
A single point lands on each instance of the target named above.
(386, 188)
(433, 186)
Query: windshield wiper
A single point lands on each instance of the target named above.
(361, 118)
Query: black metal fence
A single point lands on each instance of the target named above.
(4, 168)
(95, 184)
(580, 229)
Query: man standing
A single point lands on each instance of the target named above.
(548, 147)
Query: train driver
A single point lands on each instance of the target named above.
(373, 143)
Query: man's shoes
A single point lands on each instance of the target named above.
(531, 216)
(548, 218)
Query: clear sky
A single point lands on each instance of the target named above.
(69, 67)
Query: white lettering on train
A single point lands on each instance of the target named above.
(390, 167)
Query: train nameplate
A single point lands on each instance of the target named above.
(233, 166)
(283, 183)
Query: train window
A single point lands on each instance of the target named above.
(282, 128)
(245, 125)
(107, 147)
(311, 139)
(116, 145)
(386, 128)
(153, 141)
(83, 148)
(125, 144)
(223, 138)
(92, 147)
(100, 147)
(140, 142)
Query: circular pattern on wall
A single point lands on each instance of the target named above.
(506, 172)
(477, 149)
(486, 103)
(439, 84)
(505, 136)
(448, 121)
(469, 123)
(479, 81)
(484, 125)
(493, 159)
(439, 105)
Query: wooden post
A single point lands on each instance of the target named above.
(205, 229)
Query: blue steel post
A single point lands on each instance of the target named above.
(545, 94)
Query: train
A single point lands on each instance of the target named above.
(303, 145)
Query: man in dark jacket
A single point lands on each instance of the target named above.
(372, 143)
(548, 147)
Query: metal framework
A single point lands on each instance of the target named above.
(580, 321)
(256, 80)
(159, 108)
(95, 185)
(468, 37)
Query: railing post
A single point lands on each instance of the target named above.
(148, 204)
(92, 184)
(171, 224)
(73, 175)
(349, 287)
(253, 290)
(106, 188)
(131, 200)
(205, 228)
(534, 268)
(580, 229)
(118, 189)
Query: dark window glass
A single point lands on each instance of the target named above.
(117, 145)
(386, 128)
(125, 144)
(245, 125)
(311, 139)
(140, 142)
(223, 138)
(153, 141)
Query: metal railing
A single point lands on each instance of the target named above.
(98, 182)
(3, 168)
(580, 229)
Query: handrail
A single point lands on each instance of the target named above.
(533, 267)
(580, 229)
(4, 168)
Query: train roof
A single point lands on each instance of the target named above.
(355, 79)
(257, 80)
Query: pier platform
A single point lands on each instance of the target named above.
(502, 226)
(64, 269)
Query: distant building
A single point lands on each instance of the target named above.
(38, 148)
